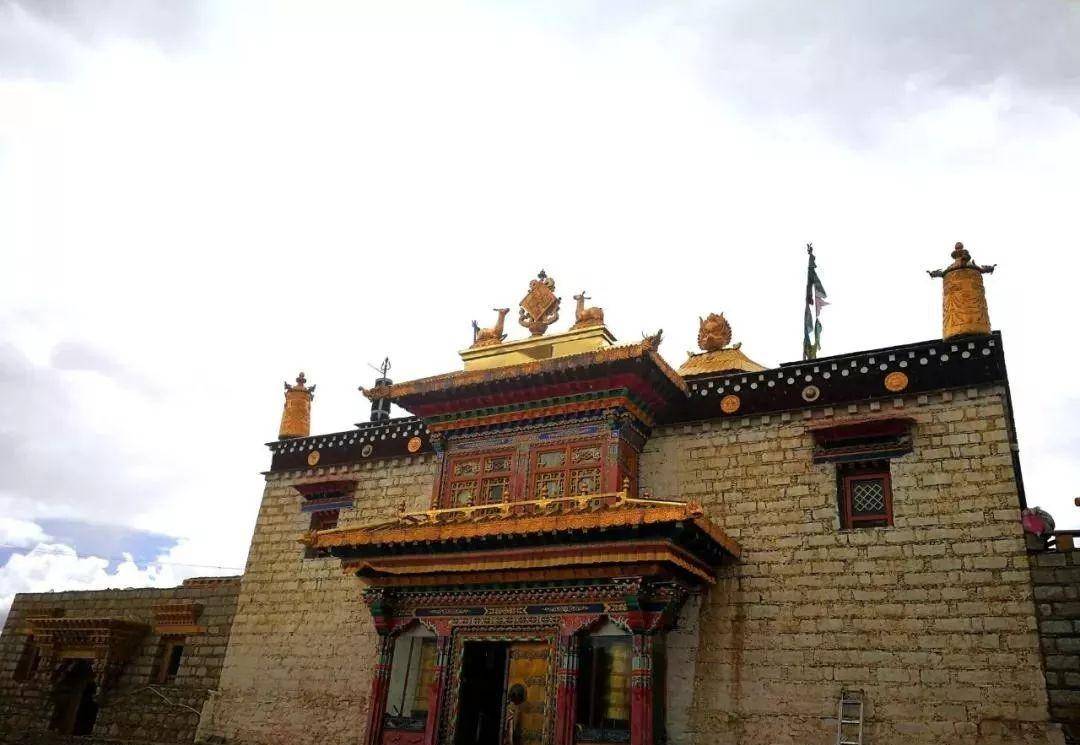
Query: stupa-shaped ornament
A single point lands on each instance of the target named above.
(963, 296)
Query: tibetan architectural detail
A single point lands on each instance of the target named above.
(492, 336)
(109, 642)
(714, 336)
(567, 542)
(597, 521)
(296, 418)
(178, 617)
(540, 306)
(964, 310)
(585, 317)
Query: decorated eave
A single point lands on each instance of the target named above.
(116, 636)
(633, 376)
(392, 438)
(849, 378)
(574, 538)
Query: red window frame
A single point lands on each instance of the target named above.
(848, 479)
(482, 479)
(568, 470)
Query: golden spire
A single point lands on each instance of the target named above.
(296, 418)
(714, 336)
(963, 296)
(540, 306)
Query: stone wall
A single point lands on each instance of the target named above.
(137, 708)
(299, 663)
(1056, 575)
(931, 620)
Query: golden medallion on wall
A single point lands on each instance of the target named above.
(730, 403)
(896, 381)
(313, 458)
(414, 444)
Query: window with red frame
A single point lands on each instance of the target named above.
(478, 479)
(865, 494)
(566, 471)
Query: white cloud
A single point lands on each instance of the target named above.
(15, 533)
(56, 567)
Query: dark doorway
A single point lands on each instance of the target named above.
(74, 707)
(483, 683)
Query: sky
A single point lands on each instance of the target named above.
(198, 200)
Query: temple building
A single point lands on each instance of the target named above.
(570, 540)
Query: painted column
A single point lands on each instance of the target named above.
(380, 684)
(566, 689)
(438, 689)
(641, 691)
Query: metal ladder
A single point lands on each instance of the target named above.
(849, 719)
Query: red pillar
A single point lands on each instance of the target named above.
(566, 689)
(438, 690)
(380, 683)
(641, 692)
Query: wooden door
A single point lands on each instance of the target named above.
(528, 663)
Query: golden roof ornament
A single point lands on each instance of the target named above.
(963, 296)
(296, 418)
(714, 338)
(714, 332)
(492, 336)
(540, 306)
(586, 317)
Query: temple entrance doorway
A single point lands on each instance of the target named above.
(74, 707)
(483, 687)
(490, 672)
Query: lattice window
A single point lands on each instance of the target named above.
(865, 494)
(566, 471)
(478, 479)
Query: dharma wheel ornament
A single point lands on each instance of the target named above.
(540, 306)
(963, 296)
(296, 418)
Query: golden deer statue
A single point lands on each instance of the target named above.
(491, 336)
(585, 317)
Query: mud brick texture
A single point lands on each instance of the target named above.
(1056, 575)
(137, 708)
(299, 664)
(931, 621)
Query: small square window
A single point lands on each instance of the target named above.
(865, 494)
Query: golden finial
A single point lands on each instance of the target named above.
(586, 317)
(296, 418)
(963, 296)
(540, 306)
(491, 336)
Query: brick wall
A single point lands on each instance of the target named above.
(299, 663)
(130, 710)
(932, 619)
(1056, 575)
